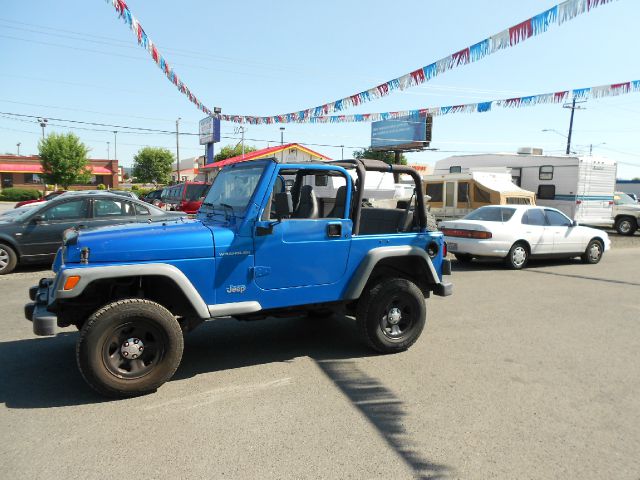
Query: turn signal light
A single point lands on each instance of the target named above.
(71, 282)
(452, 232)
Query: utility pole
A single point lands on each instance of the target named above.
(573, 108)
(178, 148)
(115, 145)
(18, 145)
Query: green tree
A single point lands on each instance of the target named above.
(153, 165)
(230, 151)
(385, 156)
(64, 160)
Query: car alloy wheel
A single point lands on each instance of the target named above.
(624, 227)
(594, 252)
(4, 258)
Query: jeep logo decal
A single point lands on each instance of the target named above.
(236, 288)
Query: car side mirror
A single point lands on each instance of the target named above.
(38, 219)
(574, 223)
(284, 205)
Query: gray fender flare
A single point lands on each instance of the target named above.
(90, 274)
(361, 276)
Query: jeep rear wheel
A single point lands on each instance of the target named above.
(391, 315)
(129, 347)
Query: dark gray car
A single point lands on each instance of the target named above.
(34, 235)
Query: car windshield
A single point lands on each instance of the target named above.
(623, 199)
(491, 214)
(195, 191)
(234, 187)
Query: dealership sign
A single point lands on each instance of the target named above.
(406, 133)
(209, 130)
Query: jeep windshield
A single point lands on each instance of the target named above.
(233, 187)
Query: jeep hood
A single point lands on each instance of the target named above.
(143, 242)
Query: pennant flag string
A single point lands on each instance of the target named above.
(600, 91)
(558, 14)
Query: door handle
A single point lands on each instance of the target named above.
(334, 230)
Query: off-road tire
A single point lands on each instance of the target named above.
(96, 341)
(373, 314)
(463, 257)
(514, 260)
(593, 253)
(626, 225)
(8, 259)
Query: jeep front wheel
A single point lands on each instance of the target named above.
(391, 315)
(129, 347)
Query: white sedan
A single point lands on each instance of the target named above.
(515, 233)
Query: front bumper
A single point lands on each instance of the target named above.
(44, 322)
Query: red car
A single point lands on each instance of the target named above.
(47, 197)
(185, 197)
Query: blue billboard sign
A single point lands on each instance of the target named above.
(209, 130)
(406, 133)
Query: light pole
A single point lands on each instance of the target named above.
(342, 154)
(178, 148)
(18, 145)
(115, 145)
(558, 133)
(281, 135)
(591, 145)
(108, 155)
(43, 123)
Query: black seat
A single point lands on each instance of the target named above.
(338, 208)
(308, 204)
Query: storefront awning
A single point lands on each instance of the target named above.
(35, 168)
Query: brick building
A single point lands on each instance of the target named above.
(24, 172)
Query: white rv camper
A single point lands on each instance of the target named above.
(581, 187)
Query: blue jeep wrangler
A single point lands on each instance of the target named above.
(264, 244)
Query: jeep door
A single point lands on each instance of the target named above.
(311, 246)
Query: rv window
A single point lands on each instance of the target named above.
(322, 180)
(455, 169)
(434, 190)
(546, 192)
(534, 217)
(480, 195)
(518, 201)
(463, 192)
(545, 172)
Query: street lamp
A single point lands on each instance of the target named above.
(18, 145)
(554, 131)
(115, 145)
(281, 135)
(178, 148)
(43, 123)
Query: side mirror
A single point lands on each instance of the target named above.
(284, 205)
(574, 223)
(38, 219)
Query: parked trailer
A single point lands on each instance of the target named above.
(453, 195)
(581, 187)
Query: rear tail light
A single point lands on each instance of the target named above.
(444, 249)
(610, 202)
(454, 232)
(578, 202)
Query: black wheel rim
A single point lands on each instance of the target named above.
(398, 317)
(133, 349)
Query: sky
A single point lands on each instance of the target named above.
(75, 60)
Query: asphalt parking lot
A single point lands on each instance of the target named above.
(527, 374)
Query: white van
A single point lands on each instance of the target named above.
(581, 187)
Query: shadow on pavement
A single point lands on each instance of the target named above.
(480, 265)
(384, 411)
(42, 372)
